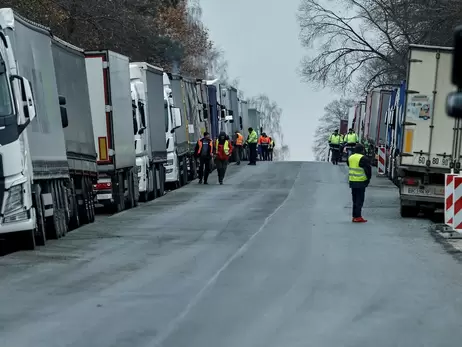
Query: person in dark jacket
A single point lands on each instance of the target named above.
(204, 151)
(359, 176)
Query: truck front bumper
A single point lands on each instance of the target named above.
(9, 225)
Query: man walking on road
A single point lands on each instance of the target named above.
(238, 141)
(360, 174)
(204, 151)
(252, 140)
(223, 150)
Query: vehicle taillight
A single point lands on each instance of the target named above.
(410, 181)
(102, 186)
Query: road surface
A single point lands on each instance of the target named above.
(270, 259)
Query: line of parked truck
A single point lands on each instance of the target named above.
(80, 128)
(421, 141)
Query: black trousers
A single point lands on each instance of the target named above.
(238, 154)
(270, 154)
(253, 153)
(221, 168)
(264, 152)
(204, 168)
(358, 195)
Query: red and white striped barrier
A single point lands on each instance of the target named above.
(381, 161)
(449, 199)
(457, 203)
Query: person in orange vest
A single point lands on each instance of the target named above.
(223, 150)
(264, 142)
(204, 151)
(238, 142)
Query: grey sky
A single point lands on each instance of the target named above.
(260, 39)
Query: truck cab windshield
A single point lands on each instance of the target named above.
(6, 105)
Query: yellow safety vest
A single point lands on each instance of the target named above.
(253, 137)
(356, 173)
(334, 139)
(351, 138)
(225, 147)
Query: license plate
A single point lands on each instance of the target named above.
(104, 196)
(420, 191)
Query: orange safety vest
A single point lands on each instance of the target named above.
(199, 151)
(264, 140)
(239, 140)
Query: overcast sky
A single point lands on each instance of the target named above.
(260, 39)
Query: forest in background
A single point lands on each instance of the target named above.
(165, 33)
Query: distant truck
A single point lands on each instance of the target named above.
(431, 139)
(151, 122)
(108, 75)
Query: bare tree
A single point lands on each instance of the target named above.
(334, 112)
(364, 42)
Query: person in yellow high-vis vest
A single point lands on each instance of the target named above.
(359, 176)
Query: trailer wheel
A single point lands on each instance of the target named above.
(120, 205)
(63, 207)
(91, 201)
(84, 208)
(408, 211)
(53, 230)
(74, 222)
(161, 180)
(153, 194)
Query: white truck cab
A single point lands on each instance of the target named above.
(143, 166)
(174, 122)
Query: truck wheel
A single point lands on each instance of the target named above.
(40, 238)
(53, 230)
(161, 180)
(121, 194)
(408, 211)
(26, 240)
(185, 171)
(74, 222)
(85, 207)
(64, 207)
(154, 183)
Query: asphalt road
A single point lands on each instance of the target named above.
(270, 259)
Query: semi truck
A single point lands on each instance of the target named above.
(431, 144)
(177, 139)
(151, 122)
(34, 170)
(108, 77)
(71, 78)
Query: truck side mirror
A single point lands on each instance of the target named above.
(62, 100)
(26, 101)
(177, 121)
(454, 99)
(64, 119)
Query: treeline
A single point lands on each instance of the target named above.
(165, 33)
(362, 44)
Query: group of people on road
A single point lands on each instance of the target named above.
(266, 146)
(222, 149)
(359, 168)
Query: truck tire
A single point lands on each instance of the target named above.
(64, 207)
(408, 211)
(91, 200)
(39, 233)
(54, 223)
(84, 209)
(120, 203)
(161, 190)
(74, 222)
(185, 171)
(131, 190)
(154, 183)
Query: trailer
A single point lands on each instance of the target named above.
(108, 76)
(151, 122)
(34, 169)
(71, 78)
(431, 139)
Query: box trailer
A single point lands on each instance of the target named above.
(108, 76)
(431, 139)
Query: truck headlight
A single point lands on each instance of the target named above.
(169, 162)
(14, 200)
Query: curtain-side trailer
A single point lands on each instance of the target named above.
(71, 78)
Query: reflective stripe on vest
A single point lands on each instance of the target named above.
(239, 139)
(253, 137)
(335, 139)
(225, 147)
(355, 172)
(199, 151)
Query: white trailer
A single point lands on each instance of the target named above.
(431, 143)
(108, 75)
